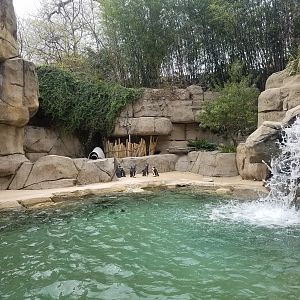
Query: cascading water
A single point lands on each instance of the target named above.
(279, 207)
(285, 168)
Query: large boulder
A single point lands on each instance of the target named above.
(8, 167)
(21, 176)
(213, 163)
(247, 169)
(262, 142)
(261, 146)
(94, 171)
(258, 149)
(282, 94)
(51, 168)
(276, 79)
(8, 31)
(10, 163)
(278, 106)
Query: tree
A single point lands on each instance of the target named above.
(61, 31)
(150, 42)
(235, 109)
(139, 36)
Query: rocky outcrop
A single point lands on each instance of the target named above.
(18, 96)
(282, 94)
(213, 163)
(248, 169)
(39, 141)
(54, 171)
(261, 146)
(93, 171)
(278, 106)
(8, 31)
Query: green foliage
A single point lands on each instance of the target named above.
(202, 144)
(139, 37)
(153, 41)
(79, 104)
(233, 112)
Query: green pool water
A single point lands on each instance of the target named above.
(166, 245)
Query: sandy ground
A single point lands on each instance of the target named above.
(24, 199)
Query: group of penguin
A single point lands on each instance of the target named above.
(120, 172)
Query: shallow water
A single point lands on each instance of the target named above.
(168, 245)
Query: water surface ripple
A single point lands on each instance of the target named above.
(161, 246)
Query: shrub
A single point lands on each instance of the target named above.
(202, 144)
(233, 112)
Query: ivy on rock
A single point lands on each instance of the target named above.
(80, 104)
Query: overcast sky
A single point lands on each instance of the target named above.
(24, 8)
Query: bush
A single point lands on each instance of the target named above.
(202, 144)
(234, 111)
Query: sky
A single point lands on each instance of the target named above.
(24, 8)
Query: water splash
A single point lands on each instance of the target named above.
(285, 168)
(278, 208)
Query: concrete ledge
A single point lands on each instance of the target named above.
(29, 199)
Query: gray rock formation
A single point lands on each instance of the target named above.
(8, 31)
(278, 105)
(39, 141)
(213, 163)
(18, 96)
(282, 94)
(94, 171)
(167, 113)
(261, 145)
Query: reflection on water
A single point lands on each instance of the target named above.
(168, 245)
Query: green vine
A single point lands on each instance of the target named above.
(79, 104)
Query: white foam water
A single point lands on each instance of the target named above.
(278, 208)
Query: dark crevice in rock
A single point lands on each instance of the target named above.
(108, 174)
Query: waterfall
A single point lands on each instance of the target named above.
(278, 208)
(285, 168)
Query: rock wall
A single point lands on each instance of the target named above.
(39, 141)
(167, 113)
(282, 94)
(18, 96)
(54, 171)
(215, 164)
(278, 105)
